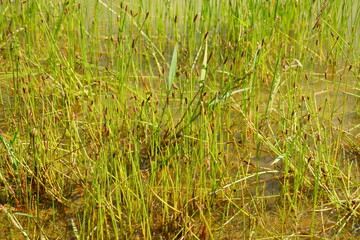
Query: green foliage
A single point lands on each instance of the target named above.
(250, 131)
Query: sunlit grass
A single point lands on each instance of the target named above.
(173, 120)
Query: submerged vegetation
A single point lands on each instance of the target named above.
(179, 119)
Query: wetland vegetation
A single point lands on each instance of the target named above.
(179, 119)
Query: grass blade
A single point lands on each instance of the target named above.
(173, 68)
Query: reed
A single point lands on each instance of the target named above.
(175, 120)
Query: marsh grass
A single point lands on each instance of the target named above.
(173, 120)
